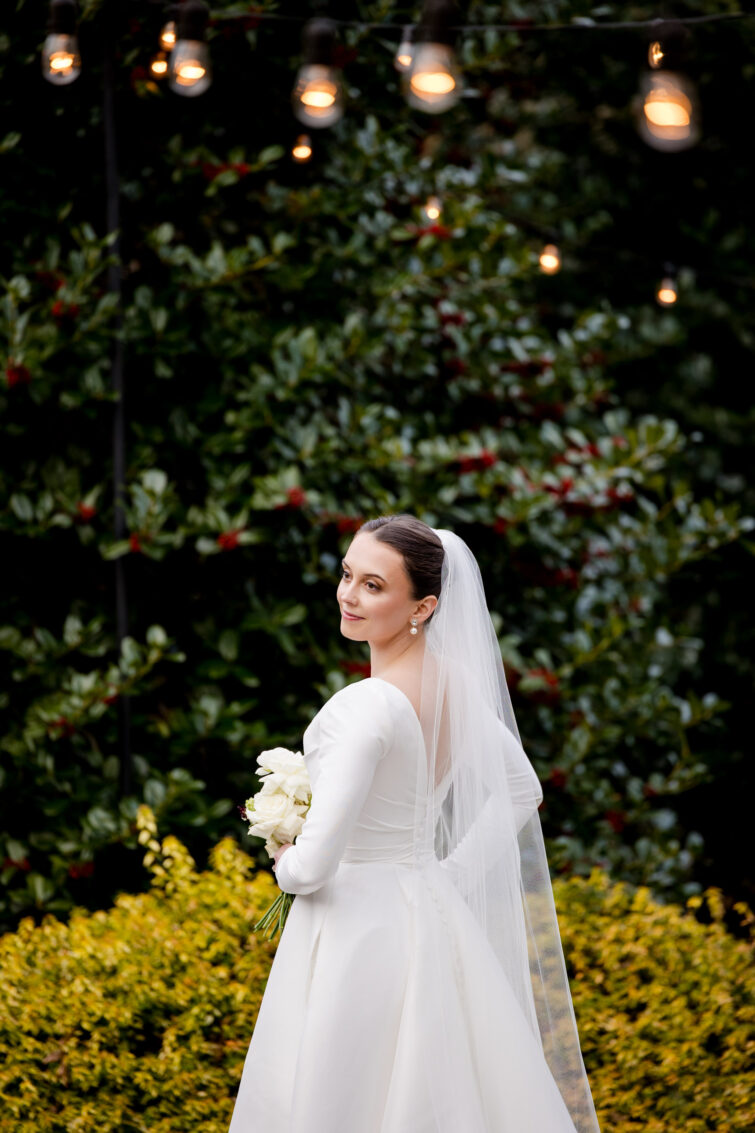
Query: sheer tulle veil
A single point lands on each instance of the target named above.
(477, 814)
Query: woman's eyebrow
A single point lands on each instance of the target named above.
(370, 574)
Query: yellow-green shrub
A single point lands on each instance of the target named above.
(137, 1019)
(666, 1010)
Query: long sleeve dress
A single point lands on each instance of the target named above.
(357, 1031)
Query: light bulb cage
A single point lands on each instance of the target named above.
(318, 42)
(435, 23)
(191, 21)
(62, 17)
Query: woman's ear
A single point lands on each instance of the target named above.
(424, 608)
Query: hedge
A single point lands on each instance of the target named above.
(137, 1019)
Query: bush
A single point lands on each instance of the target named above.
(665, 1006)
(138, 1019)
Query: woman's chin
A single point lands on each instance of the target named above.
(353, 630)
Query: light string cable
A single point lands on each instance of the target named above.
(579, 23)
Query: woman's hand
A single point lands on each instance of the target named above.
(279, 853)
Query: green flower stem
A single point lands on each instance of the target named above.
(275, 917)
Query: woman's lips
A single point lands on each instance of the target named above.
(351, 617)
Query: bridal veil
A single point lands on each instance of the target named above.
(477, 801)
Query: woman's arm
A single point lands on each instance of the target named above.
(518, 796)
(355, 729)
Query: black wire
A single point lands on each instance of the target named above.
(523, 26)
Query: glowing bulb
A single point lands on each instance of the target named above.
(168, 36)
(550, 259)
(317, 97)
(404, 56)
(432, 209)
(189, 71)
(434, 80)
(158, 67)
(656, 54)
(668, 117)
(189, 68)
(664, 111)
(61, 62)
(302, 150)
(666, 293)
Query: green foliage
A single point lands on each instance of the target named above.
(302, 351)
(137, 1019)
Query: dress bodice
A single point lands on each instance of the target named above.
(384, 829)
(365, 755)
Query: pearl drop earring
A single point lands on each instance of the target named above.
(414, 626)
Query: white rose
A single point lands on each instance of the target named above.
(296, 785)
(279, 759)
(291, 826)
(269, 811)
(285, 771)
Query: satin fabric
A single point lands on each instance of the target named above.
(386, 1010)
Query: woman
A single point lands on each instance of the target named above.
(419, 984)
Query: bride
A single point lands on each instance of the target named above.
(419, 984)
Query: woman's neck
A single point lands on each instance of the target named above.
(384, 656)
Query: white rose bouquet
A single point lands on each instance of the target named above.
(277, 813)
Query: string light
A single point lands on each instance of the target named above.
(158, 67)
(189, 70)
(168, 33)
(317, 97)
(667, 293)
(550, 260)
(432, 209)
(655, 54)
(61, 62)
(669, 116)
(433, 81)
(302, 148)
(402, 60)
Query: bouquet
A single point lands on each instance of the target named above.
(276, 813)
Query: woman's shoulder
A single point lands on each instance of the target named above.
(371, 701)
(362, 706)
(369, 690)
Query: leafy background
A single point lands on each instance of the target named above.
(303, 349)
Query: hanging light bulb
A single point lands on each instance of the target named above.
(169, 29)
(168, 36)
(432, 209)
(61, 62)
(402, 60)
(317, 97)
(668, 114)
(550, 259)
(302, 149)
(158, 66)
(433, 81)
(666, 293)
(189, 70)
(656, 54)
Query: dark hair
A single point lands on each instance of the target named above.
(419, 546)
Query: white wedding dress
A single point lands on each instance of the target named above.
(357, 1031)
